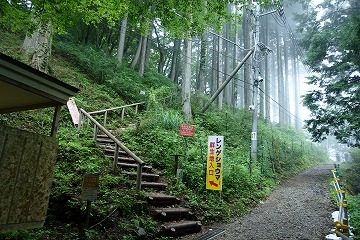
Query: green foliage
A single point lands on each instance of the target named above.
(354, 213)
(95, 12)
(38, 121)
(351, 170)
(350, 173)
(19, 15)
(334, 104)
(122, 81)
(14, 16)
(119, 210)
(117, 198)
(282, 152)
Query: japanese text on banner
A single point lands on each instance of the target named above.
(214, 167)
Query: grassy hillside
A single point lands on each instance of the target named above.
(119, 212)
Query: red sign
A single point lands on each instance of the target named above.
(186, 130)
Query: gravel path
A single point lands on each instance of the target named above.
(299, 208)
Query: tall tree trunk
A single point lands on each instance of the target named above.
(186, 84)
(241, 82)
(267, 80)
(86, 34)
(214, 63)
(38, 48)
(227, 91)
(236, 77)
(248, 73)
(143, 56)
(274, 115)
(135, 60)
(120, 50)
(286, 82)
(148, 50)
(200, 83)
(298, 124)
(280, 78)
(220, 73)
(174, 72)
(101, 30)
(108, 41)
(161, 62)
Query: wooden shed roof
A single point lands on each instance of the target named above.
(23, 87)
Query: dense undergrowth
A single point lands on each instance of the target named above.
(120, 212)
(350, 172)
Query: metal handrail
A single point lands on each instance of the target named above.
(118, 145)
(342, 226)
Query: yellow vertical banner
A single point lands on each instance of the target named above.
(214, 168)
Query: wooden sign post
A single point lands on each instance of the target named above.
(186, 130)
(90, 188)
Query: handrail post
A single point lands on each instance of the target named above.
(176, 164)
(138, 177)
(118, 145)
(105, 116)
(122, 114)
(345, 219)
(80, 121)
(116, 157)
(95, 132)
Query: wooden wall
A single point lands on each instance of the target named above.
(26, 172)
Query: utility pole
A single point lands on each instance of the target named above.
(261, 51)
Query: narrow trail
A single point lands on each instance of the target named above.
(300, 208)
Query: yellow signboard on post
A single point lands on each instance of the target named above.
(214, 169)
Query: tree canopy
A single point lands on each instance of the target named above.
(332, 41)
(173, 15)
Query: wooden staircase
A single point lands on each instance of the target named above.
(173, 220)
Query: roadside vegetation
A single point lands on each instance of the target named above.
(120, 212)
(350, 171)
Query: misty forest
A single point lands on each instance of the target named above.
(277, 80)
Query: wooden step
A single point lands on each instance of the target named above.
(154, 185)
(146, 177)
(167, 214)
(159, 199)
(103, 141)
(181, 228)
(111, 151)
(123, 159)
(133, 166)
(102, 136)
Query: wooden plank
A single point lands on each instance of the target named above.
(19, 208)
(10, 161)
(43, 180)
